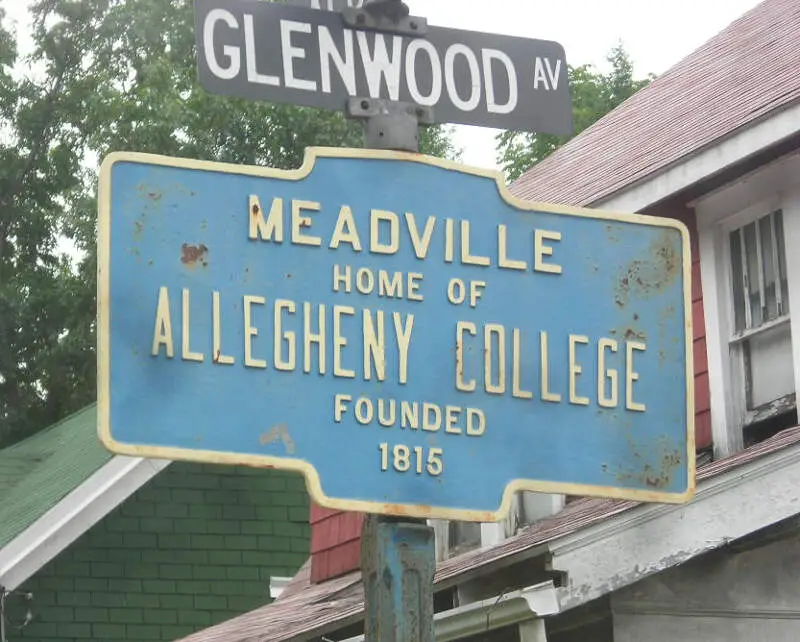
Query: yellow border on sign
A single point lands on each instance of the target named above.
(312, 478)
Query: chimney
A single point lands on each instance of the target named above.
(335, 543)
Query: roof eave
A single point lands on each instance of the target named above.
(651, 538)
(777, 126)
(71, 517)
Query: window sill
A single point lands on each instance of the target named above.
(764, 327)
(771, 410)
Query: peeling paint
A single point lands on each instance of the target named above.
(279, 432)
(656, 469)
(630, 331)
(152, 193)
(647, 277)
(191, 255)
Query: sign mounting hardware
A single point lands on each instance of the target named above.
(301, 56)
(389, 124)
(390, 16)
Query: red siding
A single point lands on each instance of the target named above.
(336, 536)
(702, 418)
(335, 543)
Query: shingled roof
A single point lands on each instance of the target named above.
(306, 610)
(744, 73)
(37, 473)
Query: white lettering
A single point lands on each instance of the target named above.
(450, 80)
(491, 103)
(250, 56)
(378, 64)
(544, 73)
(436, 72)
(290, 53)
(343, 63)
(234, 55)
(553, 74)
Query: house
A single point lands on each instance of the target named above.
(714, 142)
(104, 547)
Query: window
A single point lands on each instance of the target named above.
(456, 537)
(463, 537)
(748, 230)
(761, 340)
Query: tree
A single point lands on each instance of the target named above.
(41, 353)
(593, 96)
(110, 75)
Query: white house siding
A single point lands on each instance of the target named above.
(728, 595)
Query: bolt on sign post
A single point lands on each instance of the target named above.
(399, 328)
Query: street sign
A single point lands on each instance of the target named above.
(326, 5)
(397, 327)
(302, 56)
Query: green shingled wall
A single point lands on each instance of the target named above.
(197, 545)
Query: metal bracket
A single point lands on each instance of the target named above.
(390, 124)
(390, 16)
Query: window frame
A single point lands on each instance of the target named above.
(775, 186)
(526, 508)
(737, 340)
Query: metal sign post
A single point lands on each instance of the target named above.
(398, 556)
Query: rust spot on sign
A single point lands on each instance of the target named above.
(651, 275)
(634, 333)
(655, 473)
(630, 331)
(661, 477)
(191, 255)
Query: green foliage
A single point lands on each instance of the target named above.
(105, 75)
(593, 96)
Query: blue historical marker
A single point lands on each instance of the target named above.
(397, 327)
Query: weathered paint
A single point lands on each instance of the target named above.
(675, 208)
(647, 540)
(204, 405)
(734, 594)
(398, 564)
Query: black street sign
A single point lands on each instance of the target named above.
(302, 56)
(326, 5)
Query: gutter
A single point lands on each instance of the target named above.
(516, 607)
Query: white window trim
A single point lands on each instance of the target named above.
(775, 186)
(527, 506)
(277, 585)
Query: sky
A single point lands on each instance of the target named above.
(655, 34)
